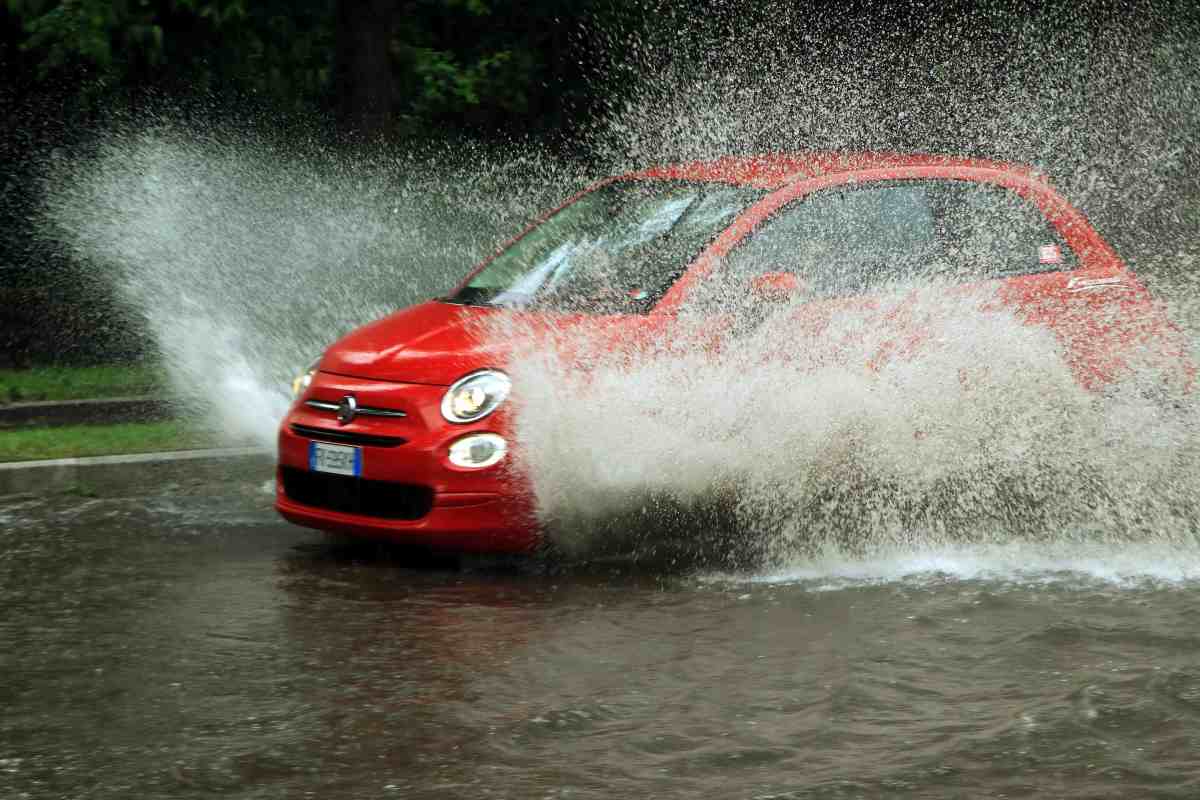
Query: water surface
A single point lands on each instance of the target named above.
(186, 645)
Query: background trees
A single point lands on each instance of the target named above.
(382, 67)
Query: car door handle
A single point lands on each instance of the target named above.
(1096, 284)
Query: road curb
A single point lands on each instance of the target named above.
(136, 473)
(108, 410)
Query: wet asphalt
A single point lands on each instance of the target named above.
(189, 644)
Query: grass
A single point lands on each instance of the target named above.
(78, 383)
(27, 444)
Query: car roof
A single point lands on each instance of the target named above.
(773, 170)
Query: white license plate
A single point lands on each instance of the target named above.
(339, 459)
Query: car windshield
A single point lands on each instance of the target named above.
(614, 250)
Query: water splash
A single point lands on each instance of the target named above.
(797, 445)
(245, 260)
(1069, 564)
(826, 461)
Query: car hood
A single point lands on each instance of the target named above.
(437, 343)
(433, 343)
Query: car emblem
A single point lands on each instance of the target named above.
(347, 409)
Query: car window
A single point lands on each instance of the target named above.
(858, 238)
(614, 249)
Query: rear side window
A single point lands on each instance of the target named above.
(854, 239)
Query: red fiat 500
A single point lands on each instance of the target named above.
(401, 430)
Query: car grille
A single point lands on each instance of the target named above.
(346, 437)
(365, 411)
(349, 495)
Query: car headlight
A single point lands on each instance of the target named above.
(474, 396)
(478, 450)
(304, 379)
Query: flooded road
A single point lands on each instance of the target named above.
(187, 646)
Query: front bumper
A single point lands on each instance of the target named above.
(487, 510)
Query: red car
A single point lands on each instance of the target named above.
(402, 431)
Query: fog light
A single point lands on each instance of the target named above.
(478, 450)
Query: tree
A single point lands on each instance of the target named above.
(279, 48)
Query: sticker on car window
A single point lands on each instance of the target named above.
(1049, 254)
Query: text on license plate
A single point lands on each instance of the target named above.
(339, 459)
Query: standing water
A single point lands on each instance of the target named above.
(911, 589)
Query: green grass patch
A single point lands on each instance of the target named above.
(29, 444)
(78, 383)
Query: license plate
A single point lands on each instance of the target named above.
(339, 459)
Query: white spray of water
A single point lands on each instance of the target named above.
(814, 460)
(245, 262)
(826, 445)
(1017, 564)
